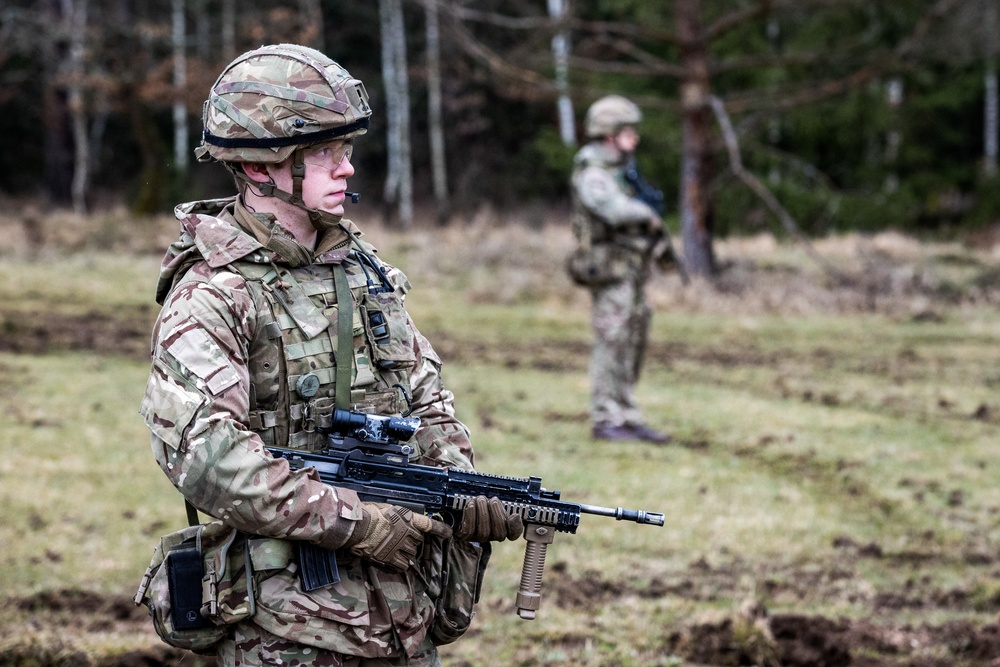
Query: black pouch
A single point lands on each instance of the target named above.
(184, 574)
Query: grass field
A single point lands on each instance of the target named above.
(831, 494)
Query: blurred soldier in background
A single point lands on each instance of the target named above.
(616, 235)
(275, 312)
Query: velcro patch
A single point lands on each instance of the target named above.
(202, 356)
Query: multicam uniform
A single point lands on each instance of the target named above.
(245, 356)
(612, 228)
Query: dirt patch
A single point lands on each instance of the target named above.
(748, 637)
(796, 640)
(753, 637)
(44, 331)
(811, 641)
(69, 616)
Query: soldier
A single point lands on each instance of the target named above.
(275, 311)
(616, 235)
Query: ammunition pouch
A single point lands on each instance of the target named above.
(454, 571)
(196, 584)
(601, 264)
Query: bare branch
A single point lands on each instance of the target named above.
(735, 19)
(761, 190)
(647, 65)
(624, 29)
(494, 61)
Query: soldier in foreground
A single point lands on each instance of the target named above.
(276, 313)
(616, 234)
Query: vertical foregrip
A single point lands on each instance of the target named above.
(529, 594)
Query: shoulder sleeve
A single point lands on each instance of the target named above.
(599, 193)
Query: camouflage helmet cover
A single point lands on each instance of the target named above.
(272, 99)
(609, 114)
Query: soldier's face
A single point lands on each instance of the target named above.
(627, 139)
(328, 166)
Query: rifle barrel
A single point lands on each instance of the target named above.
(620, 514)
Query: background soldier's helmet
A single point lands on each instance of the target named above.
(271, 100)
(609, 114)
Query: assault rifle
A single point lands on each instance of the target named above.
(366, 454)
(653, 198)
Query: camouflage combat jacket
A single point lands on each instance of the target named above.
(244, 356)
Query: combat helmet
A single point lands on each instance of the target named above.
(271, 102)
(608, 115)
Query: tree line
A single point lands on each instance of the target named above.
(802, 115)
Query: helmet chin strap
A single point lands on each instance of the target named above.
(321, 220)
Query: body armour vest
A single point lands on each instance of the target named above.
(293, 357)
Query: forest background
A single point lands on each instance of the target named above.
(856, 115)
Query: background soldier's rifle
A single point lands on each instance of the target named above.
(365, 454)
(652, 197)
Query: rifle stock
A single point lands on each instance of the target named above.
(366, 455)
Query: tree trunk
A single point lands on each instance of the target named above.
(399, 174)
(695, 208)
(180, 82)
(76, 17)
(991, 122)
(311, 19)
(57, 166)
(560, 54)
(202, 32)
(228, 30)
(434, 116)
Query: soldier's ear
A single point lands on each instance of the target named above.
(256, 171)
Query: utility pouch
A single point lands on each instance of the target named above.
(184, 574)
(386, 325)
(597, 265)
(456, 580)
(197, 583)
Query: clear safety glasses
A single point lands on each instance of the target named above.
(328, 155)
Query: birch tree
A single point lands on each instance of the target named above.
(311, 19)
(75, 14)
(439, 170)
(179, 42)
(971, 37)
(228, 30)
(398, 188)
(560, 56)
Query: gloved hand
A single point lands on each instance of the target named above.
(663, 254)
(391, 536)
(485, 520)
(654, 228)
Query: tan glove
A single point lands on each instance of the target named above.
(485, 520)
(391, 536)
(663, 254)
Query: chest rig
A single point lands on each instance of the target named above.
(328, 335)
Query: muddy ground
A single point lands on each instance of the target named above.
(750, 637)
